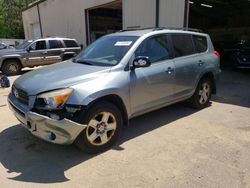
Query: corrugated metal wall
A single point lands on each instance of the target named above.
(139, 13)
(67, 18)
(142, 13)
(172, 13)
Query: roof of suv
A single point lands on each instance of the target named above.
(51, 38)
(55, 38)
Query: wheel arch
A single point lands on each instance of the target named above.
(12, 58)
(115, 100)
(210, 76)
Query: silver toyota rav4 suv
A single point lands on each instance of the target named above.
(33, 53)
(88, 99)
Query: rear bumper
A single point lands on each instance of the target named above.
(55, 131)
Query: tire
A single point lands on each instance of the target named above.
(99, 119)
(11, 67)
(202, 95)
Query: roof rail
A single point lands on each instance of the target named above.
(162, 28)
(176, 28)
(136, 29)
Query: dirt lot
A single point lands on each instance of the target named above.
(172, 147)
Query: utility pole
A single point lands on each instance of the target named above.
(157, 13)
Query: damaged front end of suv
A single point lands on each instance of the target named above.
(47, 116)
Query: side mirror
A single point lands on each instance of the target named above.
(141, 61)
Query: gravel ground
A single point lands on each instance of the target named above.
(172, 147)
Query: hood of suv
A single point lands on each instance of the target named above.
(11, 51)
(58, 76)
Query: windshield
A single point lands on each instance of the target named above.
(24, 45)
(107, 51)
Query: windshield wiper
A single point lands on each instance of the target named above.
(82, 62)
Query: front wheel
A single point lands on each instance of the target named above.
(202, 95)
(104, 123)
(11, 67)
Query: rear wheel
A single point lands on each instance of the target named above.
(104, 122)
(202, 95)
(11, 67)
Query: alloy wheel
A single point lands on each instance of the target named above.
(101, 128)
(204, 93)
(13, 68)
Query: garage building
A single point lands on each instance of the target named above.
(87, 20)
(227, 21)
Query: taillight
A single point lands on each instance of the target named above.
(217, 54)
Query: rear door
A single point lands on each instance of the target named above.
(72, 46)
(187, 63)
(152, 86)
(56, 49)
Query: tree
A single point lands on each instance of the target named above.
(11, 25)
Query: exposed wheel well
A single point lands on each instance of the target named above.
(13, 59)
(117, 101)
(210, 76)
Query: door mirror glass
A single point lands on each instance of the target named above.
(31, 48)
(141, 61)
(28, 49)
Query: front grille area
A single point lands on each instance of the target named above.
(21, 95)
(17, 110)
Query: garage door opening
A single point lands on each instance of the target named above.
(227, 21)
(104, 19)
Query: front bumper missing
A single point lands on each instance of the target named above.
(55, 131)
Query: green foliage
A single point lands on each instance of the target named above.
(11, 25)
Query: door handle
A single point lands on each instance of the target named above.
(44, 52)
(170, 70)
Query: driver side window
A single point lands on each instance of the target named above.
(156, 48)
(39, 45)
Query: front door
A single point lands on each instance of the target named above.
(36, 54)
(152, 86)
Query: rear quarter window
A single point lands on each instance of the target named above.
(183, 45)
(70, 43)
(200, 43)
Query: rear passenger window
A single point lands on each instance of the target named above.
(55, 44)
(183, 45)
(156, 48)
(70, 43)
(200, 43)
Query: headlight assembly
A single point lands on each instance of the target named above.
(55, 99)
